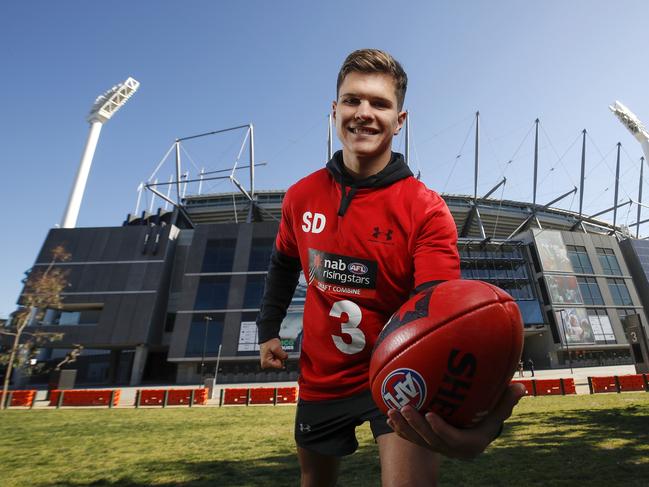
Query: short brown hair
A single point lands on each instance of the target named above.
(375, 61)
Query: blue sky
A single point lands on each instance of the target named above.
(210, 65)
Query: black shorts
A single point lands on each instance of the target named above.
(329, 427)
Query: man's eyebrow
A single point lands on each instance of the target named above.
(374, 98)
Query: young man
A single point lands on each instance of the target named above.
(367, 235)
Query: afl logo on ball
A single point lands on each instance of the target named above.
(358, 268)
(403, 386)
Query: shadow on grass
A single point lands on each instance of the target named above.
(597, 447)
(593, 447)
(279, 470)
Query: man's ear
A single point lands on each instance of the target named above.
(401, 119)
(333, 109)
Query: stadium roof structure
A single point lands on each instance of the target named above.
(477, 217)
(494, 219)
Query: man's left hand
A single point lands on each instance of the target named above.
(433, 433)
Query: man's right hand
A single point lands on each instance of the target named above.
(272, 354)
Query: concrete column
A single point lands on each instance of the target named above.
(139, 361)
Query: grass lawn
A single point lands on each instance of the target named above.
(599, 440)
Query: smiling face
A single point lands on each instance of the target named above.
(367, 116)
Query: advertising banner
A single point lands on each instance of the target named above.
(563, 289)
(576, 328)
(290, 334)
(552, 251)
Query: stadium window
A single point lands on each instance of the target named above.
(590, 290)
(170, 321)
(579, 259)
(260, 254)
(608, 262)
(200, 339)
(254, 291)
(73, 315)
(212, 292)
(619, 291)
(219, 255)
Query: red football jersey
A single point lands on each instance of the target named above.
(360, 267)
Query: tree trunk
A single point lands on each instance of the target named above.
(5, 387)
(19, 331)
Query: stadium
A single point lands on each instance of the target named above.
(172, 295)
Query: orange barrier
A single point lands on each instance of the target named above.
(602, 384)
(20, 398)
(230, 397)
(637, 382)
(553, 387)
(149, 397)
(75, 397)
(621, 383)
(263, 395)
(177, 397)
(258, 395)
(548, 387)
(286, 395)
(170, 397)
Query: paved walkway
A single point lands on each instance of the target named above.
(580, 375)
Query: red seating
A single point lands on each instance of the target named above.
(21, 398)
(76, 397)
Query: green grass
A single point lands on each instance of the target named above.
(600, 440)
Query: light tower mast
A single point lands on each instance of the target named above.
(103, 109)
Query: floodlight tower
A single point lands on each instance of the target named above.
(103, 109)
(633, 124)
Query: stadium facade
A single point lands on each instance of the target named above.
(167, 296)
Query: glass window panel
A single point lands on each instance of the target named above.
(260, 254)
(201, 339)
(579, 259)
(212, 292)
(590, 290)
(608, 261)
(619, 291)
(219, 255)
(254, 291)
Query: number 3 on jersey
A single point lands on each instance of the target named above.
(349, 328)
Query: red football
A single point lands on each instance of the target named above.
(451, 349)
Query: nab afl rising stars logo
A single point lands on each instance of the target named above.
(403, 386)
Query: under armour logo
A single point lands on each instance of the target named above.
(305, 428)
(377, 233)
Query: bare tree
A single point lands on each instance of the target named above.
(42, 290)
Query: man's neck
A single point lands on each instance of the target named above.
(359, 168)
